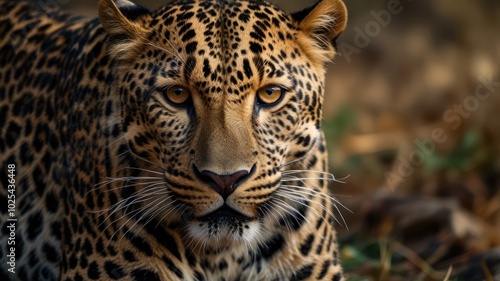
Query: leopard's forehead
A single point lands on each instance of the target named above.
(228, 46)
(228, 16)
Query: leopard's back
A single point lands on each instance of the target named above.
(39, 66)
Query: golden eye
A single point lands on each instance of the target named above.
(270, 95)
(177, 95)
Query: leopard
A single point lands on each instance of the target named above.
(181, 143)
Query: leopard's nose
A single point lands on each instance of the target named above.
(222, 184)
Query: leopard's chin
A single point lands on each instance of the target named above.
(224, 231)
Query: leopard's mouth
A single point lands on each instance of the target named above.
(225, 214)
(223, 225)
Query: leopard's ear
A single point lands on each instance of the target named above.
(121, 17)
(319, 26)
(123, 21)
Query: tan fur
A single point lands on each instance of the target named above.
(320, 27)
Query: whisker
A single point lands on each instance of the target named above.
(176, 54)
(140, 169)
(147, 161)
(292, 198)
(294, 161)
(282, 202)
(153, 183)
(147, 191)
(147, 213)
(161, 210)
(333, 203)
(331, 176)
(115, 141)
(111, 180)
(303, 179)
(300, 158)
(135, 212)
(321, 194)
(292, 194)
(125, 213)
(164, 216)
(127, 201)
(273, 214)
(134, 184)
(117, 156)
(123, 179)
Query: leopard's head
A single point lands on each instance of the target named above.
(219, 98)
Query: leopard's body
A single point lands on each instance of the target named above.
(179, 144)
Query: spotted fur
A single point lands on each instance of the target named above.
(145, 151)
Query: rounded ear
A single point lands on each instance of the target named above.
(119, 17)
(121, 20)
(322, 23)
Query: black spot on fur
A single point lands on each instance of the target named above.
(256, 48)
(35, 223)
(173, 268)
(188, 68)
(129, 256)
(13, 133)
(133, 12)
(271, 247)
(303, 273)
(93, 271)
(166, 240)
(114, 270)
(305, 248)
(324, 269)
(247, 68)
(141, 244)
(51, 254)
(295, 219)
(143, 275)
(51, 202)
(191, 48)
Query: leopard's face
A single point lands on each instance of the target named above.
(221, 99)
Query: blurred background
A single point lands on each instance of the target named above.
(412, 117)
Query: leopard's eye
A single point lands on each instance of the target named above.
(177, 95)
(270, 95)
